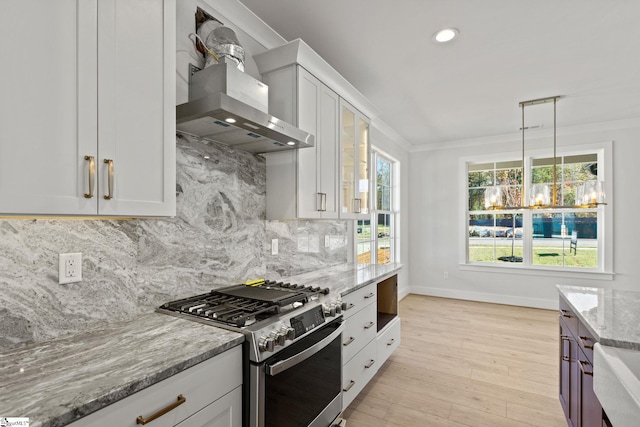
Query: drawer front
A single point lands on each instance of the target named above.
(586, 341)
(224, 412)
(358, 372)
(359, 330)
(388, 340)
(356, 301)
(569, 317)
(200, 385)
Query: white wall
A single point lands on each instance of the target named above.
(434, 215)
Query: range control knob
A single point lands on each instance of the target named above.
(330, 310)
(278, 338)
(289, 333)
(266, 344)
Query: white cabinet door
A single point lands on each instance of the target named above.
(87, 81)
(136, 107)
(48, 106)
(303, 183)
(318, 108)
(354, 163)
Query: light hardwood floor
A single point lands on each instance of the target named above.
(464, 363)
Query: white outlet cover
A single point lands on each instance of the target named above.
(63, 261)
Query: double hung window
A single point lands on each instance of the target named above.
(568, 238)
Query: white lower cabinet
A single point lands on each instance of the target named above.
(211, 390)
(358, 372)
(364, 347)
(388, 339)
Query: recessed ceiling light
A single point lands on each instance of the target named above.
(445, 35)
(230, 120)
(291, 143)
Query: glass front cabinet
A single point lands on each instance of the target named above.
(354, 162)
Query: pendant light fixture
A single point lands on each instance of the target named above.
(588, 194)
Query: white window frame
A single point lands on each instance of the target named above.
(394, 234)
(604, 151)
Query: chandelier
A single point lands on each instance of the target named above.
(588, 194)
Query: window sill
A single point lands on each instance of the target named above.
(534, 271)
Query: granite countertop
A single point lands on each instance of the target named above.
(611, 315)
(57, 382)
(346, 278)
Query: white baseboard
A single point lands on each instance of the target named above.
(484, 297)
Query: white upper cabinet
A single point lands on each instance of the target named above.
(303, 183)
(87, 115)
(354, 163)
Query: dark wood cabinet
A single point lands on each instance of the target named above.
(579, 401)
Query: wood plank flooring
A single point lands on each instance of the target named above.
(465, 363)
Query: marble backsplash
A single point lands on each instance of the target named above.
(219, 237)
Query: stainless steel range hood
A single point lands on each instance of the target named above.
(230, 107)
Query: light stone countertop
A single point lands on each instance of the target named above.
(346, 278)
(611, 315)
(56, 382)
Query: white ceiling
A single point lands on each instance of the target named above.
(587, 51)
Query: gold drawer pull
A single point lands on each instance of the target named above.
(351, 384)
(349, 341)
(92, 176)
(161, 412)
(369, 325)
(391, 342)
(370, 364)
(582, 341)
(110, 179)
(582, 365)
(371, 295)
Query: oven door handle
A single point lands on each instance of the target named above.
(285, 364)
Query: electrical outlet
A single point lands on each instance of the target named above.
(274, 246)
(446, 274)
(70, 268)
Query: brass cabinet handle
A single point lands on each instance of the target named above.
(349, 341)
(322, 202)
(110, 179)
(370, 364)
(351, 384)
(583, 363)
(371, 295)
(582, 341)
(369, 325)
(92, 176)
(161, 412)
(391, 341)
(565, 313)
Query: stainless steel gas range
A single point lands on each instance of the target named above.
(292, 351)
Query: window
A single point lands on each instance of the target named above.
(381, 230)
(563, 238)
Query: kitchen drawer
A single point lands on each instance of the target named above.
(359, 330)
(569, 317)
(224, 412)
(200, 385)
(358, 372)
(388, 339)
(357, 300)
(586, 341)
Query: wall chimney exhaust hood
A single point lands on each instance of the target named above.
(228, 106)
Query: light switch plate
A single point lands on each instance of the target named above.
(70, 268)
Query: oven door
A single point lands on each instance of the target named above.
(301, 385)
